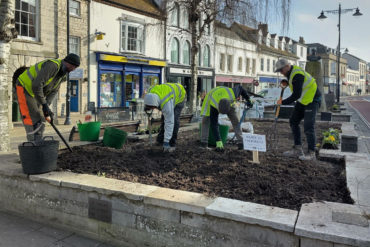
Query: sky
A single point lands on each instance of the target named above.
(355, 31)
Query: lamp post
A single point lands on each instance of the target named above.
(339, 11)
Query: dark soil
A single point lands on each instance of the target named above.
(276, 181)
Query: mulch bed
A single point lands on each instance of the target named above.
(276, 181)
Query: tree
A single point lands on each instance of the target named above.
(7, 33)
(202, 13)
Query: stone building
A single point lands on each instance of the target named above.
(42, 34)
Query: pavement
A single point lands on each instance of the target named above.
(16, 231)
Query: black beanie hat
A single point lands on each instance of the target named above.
(73, 59)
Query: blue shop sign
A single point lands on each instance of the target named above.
(268, 79)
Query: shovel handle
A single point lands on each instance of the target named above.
(278, 107)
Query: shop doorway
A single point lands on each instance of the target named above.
(132, 87)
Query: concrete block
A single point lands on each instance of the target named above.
(253, 213)
(341, 118)
(139, 208)
(350, 218)
(179, 200)
(307, 242)
(239, 231)
(315, 222)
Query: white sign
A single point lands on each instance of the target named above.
(254, 142)
(76, 74)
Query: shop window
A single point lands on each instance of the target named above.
(206, 56)
(132, 37)
(175, 15)
(175, 51)
(74, 8)
(132, 86)
(74, 45)
(26, 18)
(149, 81)
(186, 53)
(110, 90)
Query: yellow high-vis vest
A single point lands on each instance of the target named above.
(30, 74)
(168, 91)
(309, 86)
(213, 98)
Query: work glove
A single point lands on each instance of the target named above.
(249, 103)
(167, 148)
(47, 112)
(219, 146)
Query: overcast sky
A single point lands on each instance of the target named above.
(355, 31)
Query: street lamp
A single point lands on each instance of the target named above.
(339, 11)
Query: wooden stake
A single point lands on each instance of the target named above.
(255, 157)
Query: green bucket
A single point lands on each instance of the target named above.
(89, 131)
(114, 138)
(224, 130)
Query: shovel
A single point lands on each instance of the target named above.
(271, 136)
(59, 134)
(149, 114)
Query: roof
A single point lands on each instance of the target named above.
(222, 30)
(353, 57)
(277, 51)
(145, 7)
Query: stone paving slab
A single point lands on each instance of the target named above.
(316, 221)
(253, 213)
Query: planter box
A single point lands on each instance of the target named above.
(341, 118)
(349, 143)
(326, 116)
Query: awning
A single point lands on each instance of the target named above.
(268, 79)
(235, 79)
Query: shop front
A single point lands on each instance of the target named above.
(123, 79)
(232, 81)
(182, 74)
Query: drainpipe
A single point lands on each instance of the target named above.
(88, 50)
(165, 50)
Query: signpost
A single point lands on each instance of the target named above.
(255, 143)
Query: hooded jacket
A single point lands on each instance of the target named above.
(167, 111)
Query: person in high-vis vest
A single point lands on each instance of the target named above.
(221, 100)
(36, 88)
(170, 99)
(308, 99)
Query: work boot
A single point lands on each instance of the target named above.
(309, 156)
(295, 152)
(204, 146)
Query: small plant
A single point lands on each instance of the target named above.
(335, 107)
(331, 139)
(101, 174)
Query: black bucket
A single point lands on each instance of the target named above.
(39, 157)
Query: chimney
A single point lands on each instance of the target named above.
(264, 28)
(301, 40)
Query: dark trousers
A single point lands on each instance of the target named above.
(308, 113)
(177, 113)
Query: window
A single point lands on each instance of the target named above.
(229, 63)
(262, 64)
(175, 15)
(206, 56)
(175, 51)
(273, 64)
(186, 53)
(199, 55)
(268, 65)
(74, 8)
(247, 66)
(254, 66)
(132, 37)
(301, 51)
(74, 45)
(240, 64)
(185, 16)
(222, 62)
(26, 21)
